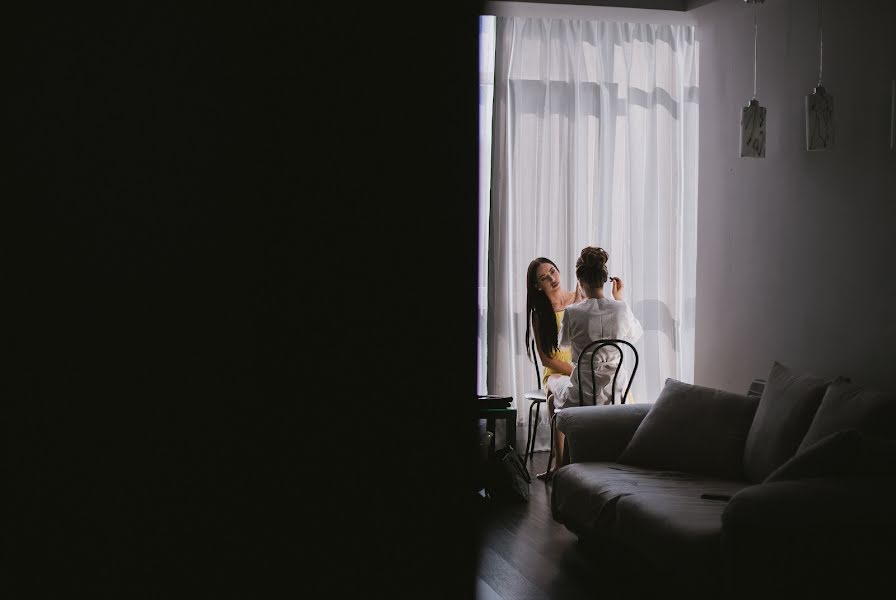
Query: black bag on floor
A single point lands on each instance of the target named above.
(506, 477)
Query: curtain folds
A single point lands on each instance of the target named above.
(593, 142)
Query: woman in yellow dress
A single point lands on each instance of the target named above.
(546, 300)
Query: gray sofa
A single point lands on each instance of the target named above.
(793, 490)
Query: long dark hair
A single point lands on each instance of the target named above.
(539, 312)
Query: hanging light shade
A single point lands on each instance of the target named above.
(819, 104)
(752, 130)
(819, 120)
(752, 120)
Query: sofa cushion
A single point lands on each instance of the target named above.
(785, 411)
(832, 455)
(584, 495)
(849, 406)
(842, 454)
(679, 534)
(695, 429)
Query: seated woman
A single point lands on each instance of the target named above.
(595, 318)
(545, 302)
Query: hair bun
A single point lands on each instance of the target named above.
(593, 256)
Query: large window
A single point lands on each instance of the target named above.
(588, 137)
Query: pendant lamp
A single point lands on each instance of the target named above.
(752, 120)
(819, 104)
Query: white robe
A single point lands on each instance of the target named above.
(587, 321)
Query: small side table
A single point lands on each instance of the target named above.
(509, 416)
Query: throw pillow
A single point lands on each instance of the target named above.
(832, 456)
(692, 428)
(849, 406)
(785, 412)
(846, 453)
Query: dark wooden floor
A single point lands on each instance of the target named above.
(525, 554)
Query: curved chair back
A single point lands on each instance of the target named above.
(593, 347)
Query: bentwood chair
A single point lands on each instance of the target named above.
(586, 359)
(536, 398)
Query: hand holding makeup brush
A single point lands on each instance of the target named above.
(617, 287)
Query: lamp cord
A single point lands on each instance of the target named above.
(820, 43)
(755, 46)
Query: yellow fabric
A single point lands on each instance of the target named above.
(564, 354)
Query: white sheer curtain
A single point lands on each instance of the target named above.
(486, 103)
(594, 142)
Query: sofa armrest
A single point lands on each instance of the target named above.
(812, 531)
(599, 433)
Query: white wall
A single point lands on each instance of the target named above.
(795, 251)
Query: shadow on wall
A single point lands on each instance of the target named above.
(654, 315)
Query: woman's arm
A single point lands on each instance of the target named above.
(635, 329)
(633, 326)
(557, 366)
